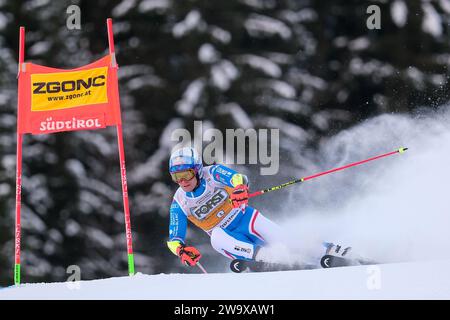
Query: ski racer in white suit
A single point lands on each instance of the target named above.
(215, 199)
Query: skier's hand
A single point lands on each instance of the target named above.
(188, 255)
(239, 197)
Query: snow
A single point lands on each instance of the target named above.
(35, 4)
(285, 127)
(122, 8)
(9, 163)
(192, 21)
(191, 97)
(5, 189)
(99, 142)
(133, 70)
(258, 25)
(323, 118)
(144, 172)
(72, 228)
(208, 54)
(193, 92)
(99, 237)
(358, 44)
(443, 59)
(42, 266)
(165, 139)
(419, 280)
(280, 58)
(154, 5)
(283, 89)
(340, 42)
(302, 16)
(223, 73)
(156, 200)
(445, 5)
(3, 100)
(97, 187)
(144, 81)
(432, 21)
(416, 76)
(75, 167)
(286, 105)
(240, 117)
(3, 21)
(32, 221)
(259, 4)
(437, 79)
(121, 27)
(381, 209)
(372, 67)
(399, 12)
(220, 34)
(260, 63)
(312, 81)
(40, 47)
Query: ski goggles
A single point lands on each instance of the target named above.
(182, 175)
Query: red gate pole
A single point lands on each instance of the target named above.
(19, 165)
(122, 163)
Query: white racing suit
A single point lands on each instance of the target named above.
(234, 233)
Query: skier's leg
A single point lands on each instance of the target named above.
(257, 226)
(233, 245)
(274, 245)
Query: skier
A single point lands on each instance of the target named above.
(215, 199)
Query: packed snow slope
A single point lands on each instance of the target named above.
(413, 280)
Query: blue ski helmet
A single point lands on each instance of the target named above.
(184, 159)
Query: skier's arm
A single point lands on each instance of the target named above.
(177, 233)
(238, 181)
(177, 227)
(227, 176)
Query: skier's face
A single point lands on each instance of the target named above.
(188, 185)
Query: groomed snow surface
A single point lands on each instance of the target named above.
(411, 280)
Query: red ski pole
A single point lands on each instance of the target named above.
(257, 193)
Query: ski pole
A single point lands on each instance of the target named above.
(257, 193)
(201, 267)
(198, 264)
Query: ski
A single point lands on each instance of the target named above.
(330, 261)
(240, 265)
(327, 261)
